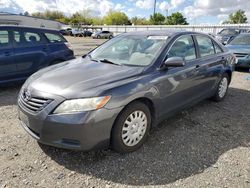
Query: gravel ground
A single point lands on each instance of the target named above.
(204, 146)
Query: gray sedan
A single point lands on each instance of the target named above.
(112, 96)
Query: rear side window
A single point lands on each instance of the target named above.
(54, 38)
(32, 37)
(4, 38)
(205, 46)
(183, 47)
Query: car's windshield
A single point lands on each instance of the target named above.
(131, 50)
(229, 32)
(243, 39)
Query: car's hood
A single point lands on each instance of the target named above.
(239, 48)
(79, 77)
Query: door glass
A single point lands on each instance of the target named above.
(205, 45)
(54, 38)
(32, 38)
(183, 47)
(4, 39)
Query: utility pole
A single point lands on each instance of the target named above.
(154, 7)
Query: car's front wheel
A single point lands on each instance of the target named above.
(222, 88)
(131, 128)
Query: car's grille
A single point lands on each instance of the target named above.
(240, 55)
(31, 103)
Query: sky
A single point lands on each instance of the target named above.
(196, 11)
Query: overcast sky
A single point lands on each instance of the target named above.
(197, 11)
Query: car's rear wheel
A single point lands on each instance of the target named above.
(98, 36)
(222, 88)
(131, 128)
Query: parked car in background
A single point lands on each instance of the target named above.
(80, 32)
(226, 35)
(112, 96)
(240, 46)
(63, 32)
(103, 34)
(24, 50)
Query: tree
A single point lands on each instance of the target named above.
(139, 21)
(157, 19)
(176, 19)
(51, 15)
(26, 13)
(116, 18)
(237, 17)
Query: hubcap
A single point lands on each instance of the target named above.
(134, 128)
(223, 87)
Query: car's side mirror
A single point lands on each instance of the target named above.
(175, 62)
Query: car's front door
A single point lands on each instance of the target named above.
(8, 67)
(178, 85)
(30, 50)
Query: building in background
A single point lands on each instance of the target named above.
(16, 19)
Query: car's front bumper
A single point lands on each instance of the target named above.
(81, 131)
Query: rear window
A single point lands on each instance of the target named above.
(54, 38)
(4, 39)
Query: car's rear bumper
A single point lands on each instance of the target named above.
(81, 131)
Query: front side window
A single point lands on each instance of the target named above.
(4, 38)
(54, 38)
(205, 46)
(183, 47)
(134, 50)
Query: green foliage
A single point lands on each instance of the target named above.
(157, 19)
(176, 19)
(237, 17)
(139, 21)
(116, 18)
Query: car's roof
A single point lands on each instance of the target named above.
(27, 27)
(162, 32)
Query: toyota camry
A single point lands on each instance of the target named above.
(112, 96)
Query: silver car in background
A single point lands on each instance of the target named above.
(103, 34)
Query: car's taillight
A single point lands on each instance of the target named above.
(68, 45)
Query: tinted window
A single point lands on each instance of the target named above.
(205, 45)
(183, 47)
(54, 37)
(243, 39)
(4, 39)
(31, 37)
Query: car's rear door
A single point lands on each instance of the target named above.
(211, 60)
(31, 51)
(8, 68)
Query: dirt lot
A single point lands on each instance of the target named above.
(205, 146)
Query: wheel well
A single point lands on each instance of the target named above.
(147, 102)
(229, 73)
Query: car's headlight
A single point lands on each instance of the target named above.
(81, 105)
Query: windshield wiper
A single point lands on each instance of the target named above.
(108, 61)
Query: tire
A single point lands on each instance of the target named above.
(222, 88)
(98, 37)
(128, 137)
(110, 37)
